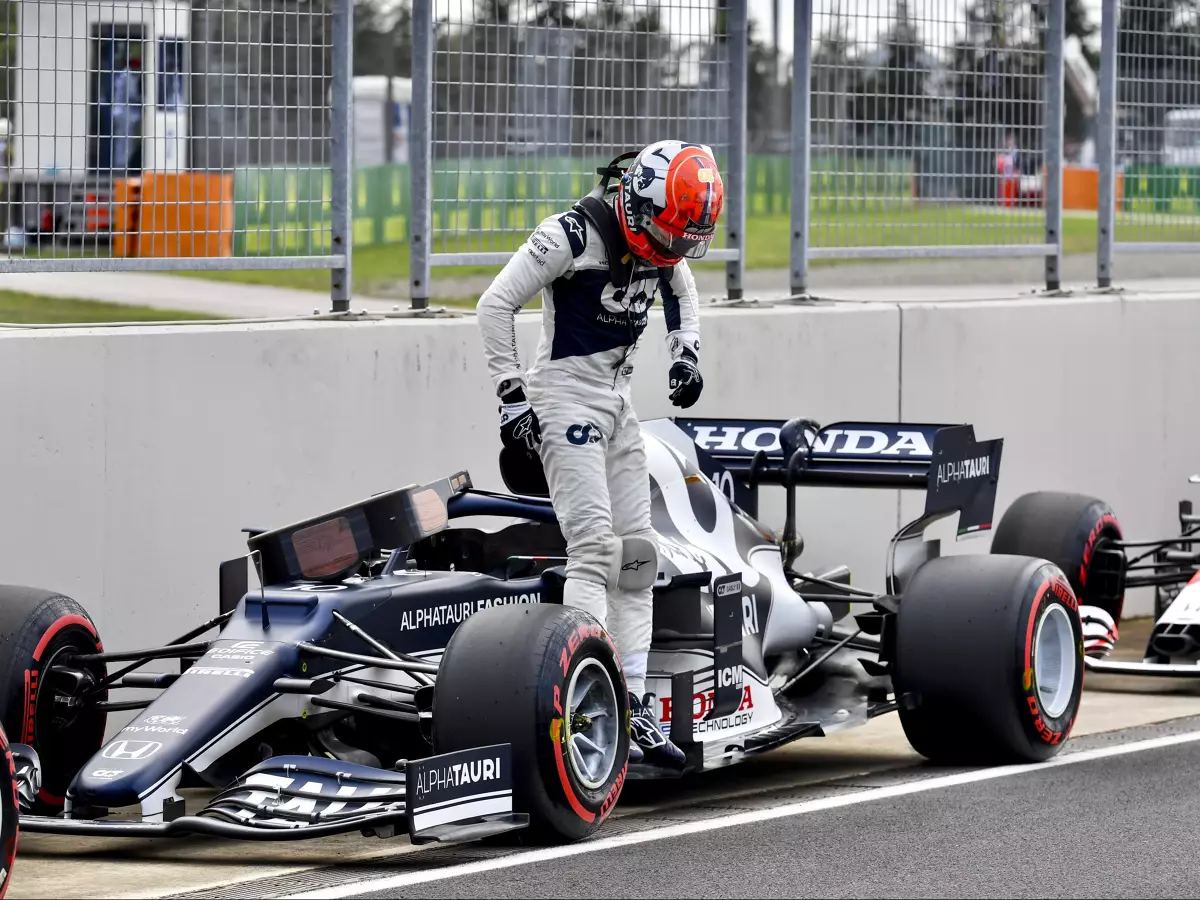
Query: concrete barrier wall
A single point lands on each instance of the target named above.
(1097, 394)
(134, 456)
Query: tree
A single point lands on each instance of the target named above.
(767, 112)
(836, 73)
(1158, 53)
(890, 101)
(383, 40)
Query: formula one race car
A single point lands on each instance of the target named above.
(1082, 535)
(395, 665)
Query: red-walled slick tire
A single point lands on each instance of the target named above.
(39, 632)
(988, 660)
(9, 814)
(1066, 529)
(546, 679)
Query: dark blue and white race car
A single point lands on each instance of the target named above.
(406, 663)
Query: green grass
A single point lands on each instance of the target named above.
(383, 271)
(27, 309)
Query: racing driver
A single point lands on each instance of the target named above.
(600, 266)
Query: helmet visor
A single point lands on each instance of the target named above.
(692, 245)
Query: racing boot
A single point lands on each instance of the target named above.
(649, 744)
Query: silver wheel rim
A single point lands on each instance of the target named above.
(1054, 661)
(591, 726)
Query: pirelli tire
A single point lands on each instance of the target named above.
(10, 811)
(39, 632)
(988, 660)
(1066, 529)
(546, 679)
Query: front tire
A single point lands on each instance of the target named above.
(546, 679)
(39, 631)
(1065, 529)
(988, 659)
(10, 812)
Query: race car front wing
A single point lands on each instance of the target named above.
(461, 796)
(1161, 670)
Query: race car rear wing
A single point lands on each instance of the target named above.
(958, 472)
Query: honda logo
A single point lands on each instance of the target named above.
(131, 749)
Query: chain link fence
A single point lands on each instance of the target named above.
(926, 131)
(529, 97)
(1150, 123)
(176, 135)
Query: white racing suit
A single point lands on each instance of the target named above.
(579, 387)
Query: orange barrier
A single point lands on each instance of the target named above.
(127, 193)
(1081, 187)
(185, 215)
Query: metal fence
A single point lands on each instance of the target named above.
(526, 98)
(177, 134)
(219, 134)
(1149, 130)
(926, 131)
(916, 130)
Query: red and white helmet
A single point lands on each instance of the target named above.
(669, 201)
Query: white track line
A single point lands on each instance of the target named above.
(870, 795)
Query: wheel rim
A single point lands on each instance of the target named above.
(1054, 661)
(63, 725)
(592, 727)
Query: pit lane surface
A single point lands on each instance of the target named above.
(1109, 826)
(853, 760)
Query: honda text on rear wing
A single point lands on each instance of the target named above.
(958, 472)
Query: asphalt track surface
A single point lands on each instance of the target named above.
(857, 813)
(1070, 830)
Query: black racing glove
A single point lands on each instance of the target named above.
(685, 381)
(519, 427)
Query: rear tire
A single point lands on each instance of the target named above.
(1065, 529)
(39, 628)
(514, 674)
(10, 811)
(990, 651)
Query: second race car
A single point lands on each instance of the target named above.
(1083, 536)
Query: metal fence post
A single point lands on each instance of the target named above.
(739, 74)
(1106, 156)
(1053, 147)
(801, 133)
(341, 163)
(421, 152)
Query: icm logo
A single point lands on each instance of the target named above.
(131, 749)
(107, 774)
(583, 434)
(728, 676)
